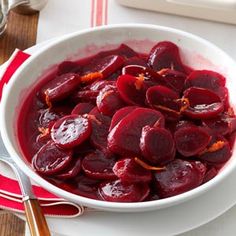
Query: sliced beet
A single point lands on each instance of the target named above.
(135, 61)
(84, 148)
(51, 159)
(109, 100)
(164, 55)
(131, 89)
(60, 87)
(50, 115)
(99, 166)
(157, 145)
(128, 170)
(217, 152)
(173, 79)
(117, 191)
(165, 100)
(222, 124)
(150, 77)
(100, 126)
(124, 138)
(85, 186)
(179, 176)
(184, 124)
(210, 174)
(68, 67)
(71, 131)
(90, 92)
(123, 50)
(106, 66)
(71, 171)
(120, 114)
(191, 140)
(205, 79)
(203, 103)
(82, 108)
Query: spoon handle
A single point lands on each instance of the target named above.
(35, 218)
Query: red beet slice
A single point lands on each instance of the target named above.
(90, 92)
(71, 171)
(135, 61)
(210, 174)
(51, 159)
(166, 55)
(50, 115)
(71, 131)
(60, 87)
(106, 65)
(150, 76)
(191, 140)
(173, 79)
(127, 170)
(180, 176)
(100, 126)
(123, 50)
(85, 186)
(124, 138)
(82, 108)
(223, 124)
(217, 152)
(109, 100)
(131, 89)
(117, 191)
(157, 145)
(68, 67)
(203, 103)
(205, 79)
(99, 166)
(165, 100)
(120, 114)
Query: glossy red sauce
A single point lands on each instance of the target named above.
(122, 126)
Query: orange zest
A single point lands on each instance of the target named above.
(90, 77)
(214, 147)
(47, 100)
(139, 82)
(43, 131)
(146, 166)
(93, 117)
(185, 104)
(162, 71)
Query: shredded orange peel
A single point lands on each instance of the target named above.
(93, 117)
(139, 81)
(146, 166)
(47, 100)
(43, 131)
(90, 77)
(214, 147)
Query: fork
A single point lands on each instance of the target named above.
(34, 215)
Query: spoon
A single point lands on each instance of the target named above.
(34, 215)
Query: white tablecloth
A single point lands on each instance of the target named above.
(61, 17)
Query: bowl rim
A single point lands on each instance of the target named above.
(99, 204)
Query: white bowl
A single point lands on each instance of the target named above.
(197, 52)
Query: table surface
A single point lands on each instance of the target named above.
(22, 33)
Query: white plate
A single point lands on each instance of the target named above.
(169, 221)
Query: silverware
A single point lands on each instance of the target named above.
(35, 218)
(19, 6)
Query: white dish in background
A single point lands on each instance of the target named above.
(169, 221)
(215, 10)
